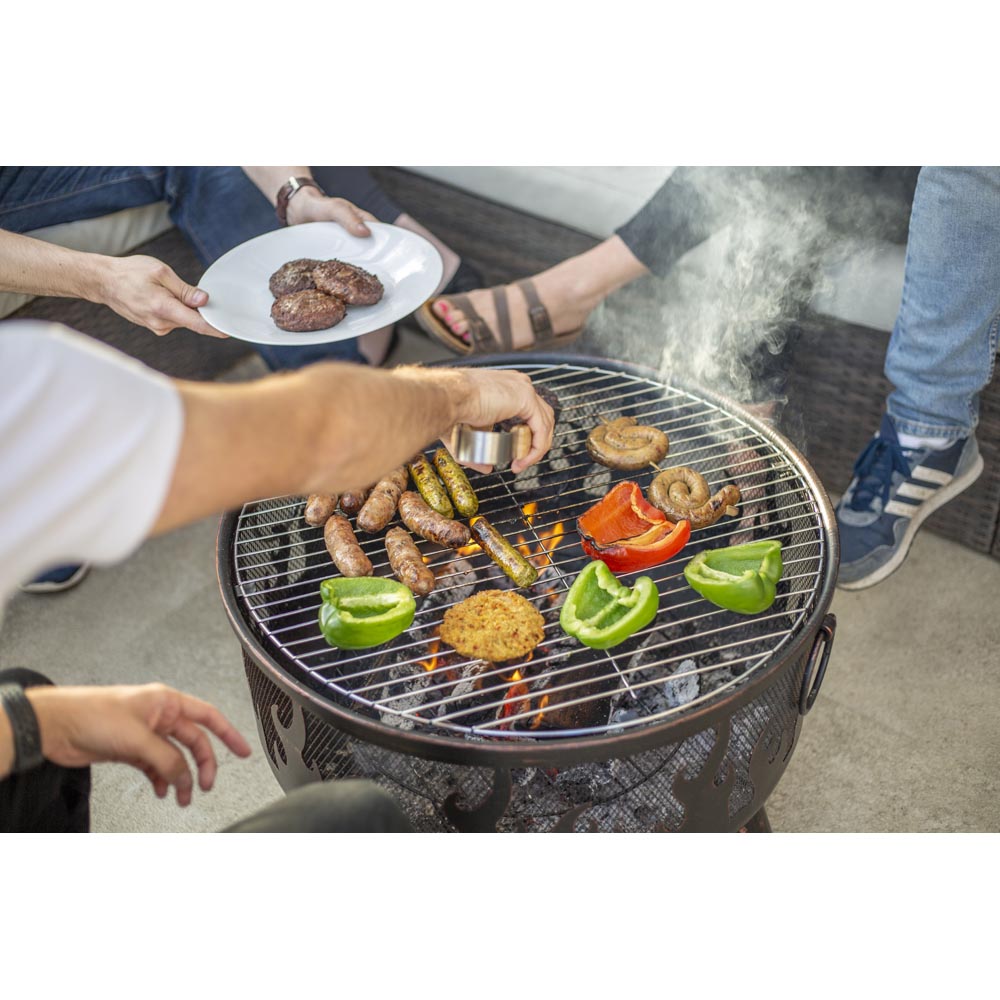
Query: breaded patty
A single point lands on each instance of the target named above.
(302, 312)
(295, 276)
(347, 281)
(494, 625)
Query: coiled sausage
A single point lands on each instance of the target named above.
(683, 495)
(626, 445)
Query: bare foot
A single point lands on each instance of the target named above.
(567, 309)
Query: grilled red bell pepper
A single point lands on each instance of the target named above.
(623, 513)
(653, 547)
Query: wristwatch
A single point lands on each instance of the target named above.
(24, 726)
(285, 193)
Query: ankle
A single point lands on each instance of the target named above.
(570, 291)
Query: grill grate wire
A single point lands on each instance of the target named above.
(279, 562)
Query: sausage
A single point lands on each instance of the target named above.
(431, 488)
(381, 504)
(404, 557)
(503, 553)
(626, 445)
(682, 494)
(344, 549)
(462, 493)
(319, 507)
(423, 521)
(352, 502)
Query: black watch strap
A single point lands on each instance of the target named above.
(24, 725)
(289, 188)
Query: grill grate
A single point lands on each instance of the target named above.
(691, 654)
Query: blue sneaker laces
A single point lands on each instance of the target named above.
(874, 469)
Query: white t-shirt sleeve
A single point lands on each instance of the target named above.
(88, 443)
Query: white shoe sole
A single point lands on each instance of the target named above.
(52, 587)
(943, 496)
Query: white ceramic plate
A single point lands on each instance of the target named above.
(239, 301)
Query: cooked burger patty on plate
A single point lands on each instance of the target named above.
(302, 312)
(351, 283)
(295, 276)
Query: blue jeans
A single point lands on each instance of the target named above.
(216, 208)
(944, 343)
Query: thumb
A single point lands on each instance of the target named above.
(191, 296)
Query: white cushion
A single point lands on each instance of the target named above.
(594, 200)
(113, 234)
(861, 283)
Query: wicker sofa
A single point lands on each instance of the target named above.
(513, 221)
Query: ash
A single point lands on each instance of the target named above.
(654, 694)
(455, 583)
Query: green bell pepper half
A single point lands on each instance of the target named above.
(362, 611)
(740, 578)
(602, 612)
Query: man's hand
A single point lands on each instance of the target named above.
(145, 726)
(309, 205)
(493, 396)
(148, 293)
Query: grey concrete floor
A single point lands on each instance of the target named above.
(905, 734)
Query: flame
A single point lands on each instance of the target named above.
(542, 705)
(432, 661)
(515, 698)
(529, 510)
(473, 547)
(548, 541)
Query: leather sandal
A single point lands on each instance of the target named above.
(482, 340)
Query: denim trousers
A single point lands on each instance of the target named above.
(944, 343)
(216, 208)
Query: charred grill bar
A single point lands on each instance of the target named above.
(687, 725)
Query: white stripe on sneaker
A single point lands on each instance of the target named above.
(950, 491)
(931, 475)
(915, 492)
(898, 509)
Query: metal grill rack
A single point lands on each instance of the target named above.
(692, 654)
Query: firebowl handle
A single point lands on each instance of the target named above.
(816, 667)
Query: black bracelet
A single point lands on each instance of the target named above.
(24, 725)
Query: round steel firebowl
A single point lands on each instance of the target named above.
(707, 703)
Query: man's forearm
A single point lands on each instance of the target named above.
(35, 267)
(325, 429)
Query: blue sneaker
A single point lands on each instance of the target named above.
(57, 580)
(894, 490)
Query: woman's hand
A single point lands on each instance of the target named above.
(145, 726)
(148, 293)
